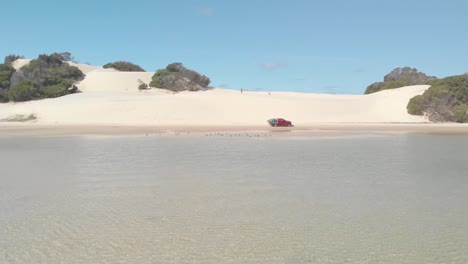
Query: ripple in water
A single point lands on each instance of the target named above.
(391, 199)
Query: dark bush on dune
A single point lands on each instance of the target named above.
(176, 77)
(66, 56)
(124, 66)
(24, 91)
(48, 76)
(50, 66)
(445, 101)
(6, 71)
(142, 85)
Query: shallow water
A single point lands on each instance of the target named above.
(195, 199)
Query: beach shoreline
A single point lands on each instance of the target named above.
(45, 130)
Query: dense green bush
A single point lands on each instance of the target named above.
(52, 60)
(53, 91)
(45, 77)
(5, 74)
(66, 56)
(176, 77)
(159, 76)
(55, 86)
(50, 66)
(124, 66)
(57, 81)
(460, 113)
(445, 100)
(414, 106)
(66, 72)
(6, 71)
(175, 67)
(24, 91)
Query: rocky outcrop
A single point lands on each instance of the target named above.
(411, 75)
(400, 77)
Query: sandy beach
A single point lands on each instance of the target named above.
(110, 103)
(323, 129)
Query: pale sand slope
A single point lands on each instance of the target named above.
(112, 97)
(19, 63)
(85, 68)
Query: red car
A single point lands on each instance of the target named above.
(279, 122)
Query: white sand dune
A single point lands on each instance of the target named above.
(112, 97)
(85, 68)
(113, 81)
(19, 63)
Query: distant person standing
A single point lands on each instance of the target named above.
(242, 90)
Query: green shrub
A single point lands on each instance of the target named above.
(24, 91)
(176, 77)
(157, 79)
(414, 106)
(45, 77)
(66, 56)
(445, 100)
(66, 72)
(53, 91)
(56, 81)
(52, 60)
(50, 66)
(124, 66)
(142, 85)
(375, 87)
(460, 113)
(55, 87)
(175, 67)
(6, 71)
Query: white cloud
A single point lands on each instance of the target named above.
(273, 65)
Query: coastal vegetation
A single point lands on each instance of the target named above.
(9, 59)
(142, 85)
(175, 77)
(445, 101)
(6, 71)
(124, 66)
(400, 77)
(48, 76)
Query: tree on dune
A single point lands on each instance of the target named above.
(124, 66)
(176, 77)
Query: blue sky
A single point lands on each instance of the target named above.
(333, 46)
